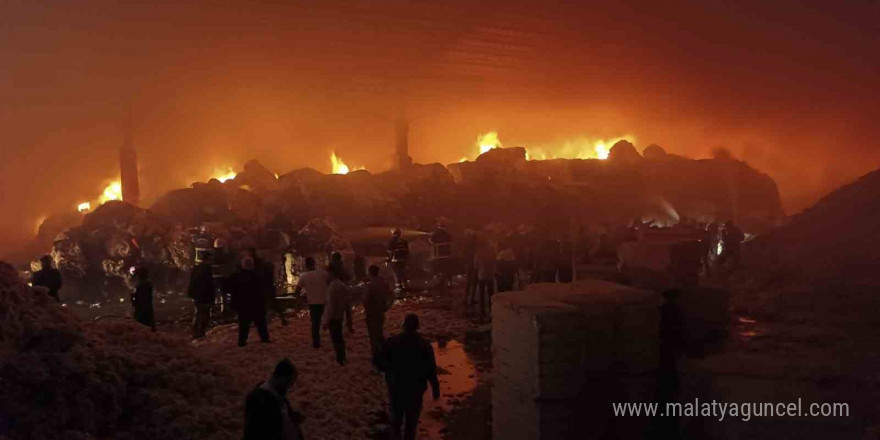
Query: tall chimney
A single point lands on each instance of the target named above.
(128, 163)
(402, 160)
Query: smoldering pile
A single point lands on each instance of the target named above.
(306, 210)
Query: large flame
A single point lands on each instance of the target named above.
(488, 141)
(223, 176)
(580, 148)
(84, 207)
(339, 167)
(113, 191)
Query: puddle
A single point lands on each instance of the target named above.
(457, 375)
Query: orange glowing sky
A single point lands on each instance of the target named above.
(790, 86)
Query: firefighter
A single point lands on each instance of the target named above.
(441, 242)
(398, 254)
(732, 237)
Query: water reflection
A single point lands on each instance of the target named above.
(457, 375)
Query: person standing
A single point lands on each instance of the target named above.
(441, 243)
(266, 270)
(248, 301)
(314, 282)
(267, 412)
(377, 301)
(486, 269)
(48, 277)
(398, 254)
(336, 309)
(142, 298)
(201, 290)
(507, 269)
(409, 365)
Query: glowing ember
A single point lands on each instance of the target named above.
(84, 207)
(223, 176)
(339, 167)
(488, 141)
(113, 191)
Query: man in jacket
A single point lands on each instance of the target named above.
(248, 301)
(201, 290)
(267, 412)
(409, 365)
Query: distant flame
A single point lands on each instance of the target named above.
(463, 159)
(339, 167)
(581, 148)
(84, 207)
(488, 141)
(113, 191)
(223, 176)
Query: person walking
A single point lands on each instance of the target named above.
(266, 270)
(409, 365)
(377, 301)
(48, 277)
(336, 309)
(267, 412)
(314, 282)
(142, 298)
(248, 301)
(202, 291)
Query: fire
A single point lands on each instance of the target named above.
(488, 141)
(581, 148)
(223, 176)
(339, 167)
(113, 191)
(84, 207)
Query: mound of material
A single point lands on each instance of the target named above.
(62, 379)
(838, 238)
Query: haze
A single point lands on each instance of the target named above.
(789, 86)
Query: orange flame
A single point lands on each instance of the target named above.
(339, 167)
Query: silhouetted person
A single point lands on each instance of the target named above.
(48, 277)
(314, 282)
(672, 342)
(507, 269)
(441, 243)
(222, 268)
(398, 255)
(377, 301)
(267, 412)
(337, 265)
(248, 301)
(470, 255)
(732, 237)
(266, 270)
(142, 298)
(409, 365)
(564, 265)
(486, 267)
(202, 291)
(337, 308)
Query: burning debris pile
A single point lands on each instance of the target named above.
(502, 186)
(838, 238)
(65, 380)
